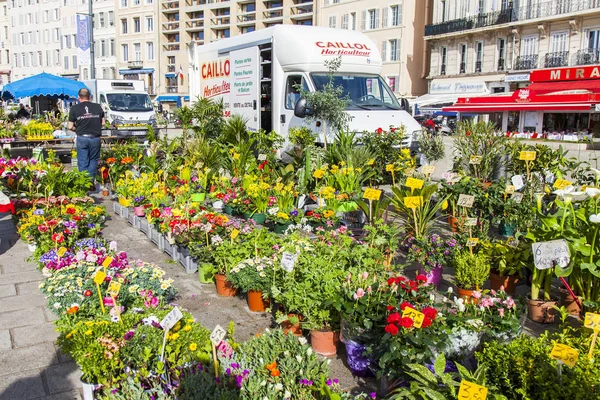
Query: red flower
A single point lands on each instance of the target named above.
(406, 322)
(421, 278)
(399, 279)
(71, 210)
(42, 228)
(76, 217)
(426, 322)
(155, 213)
(220, 196)
(392, 329)
(262, 165)
(87, 293)
(394, 318)
(405, 304)
(430, 312)
(52, 222)
(58, 238)
(390, 308)
(391, 281)
(379, 131)
(392, 129)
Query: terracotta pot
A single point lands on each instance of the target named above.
(568, 302)
(541, 310)
(453, 222)
(287, 326)
(224, 287)
(105, 192)
(509, 282)
(324, 342)
(467, 295)
(256, 303)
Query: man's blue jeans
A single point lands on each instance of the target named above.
(88, 154)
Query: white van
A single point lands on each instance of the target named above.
(123, 101)
(256, 75)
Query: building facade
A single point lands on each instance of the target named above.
(5, 47)
(480, 47)
(395, 26)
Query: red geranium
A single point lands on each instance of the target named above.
(399, 279)
(426, 322)
(87, 293)
(391, 281)
(405, 304)
(71, 210)
(394, 318)
(58, 238)
(390, 308)
(406, 322)
(42, 228)
(392, 329)
(421, 278)
(430, 312)
(379, 131)
(262, 165)
(392, 129)
(309, 213)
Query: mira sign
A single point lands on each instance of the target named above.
(566, 74)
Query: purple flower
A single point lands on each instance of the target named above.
(373, 395)
(238, 380)
(336, 381)
(39, 211)
(128, 335)
(235, 365)
(246, 372)
(91, 225)
(329, 382)
(294, 213)
(228, 371)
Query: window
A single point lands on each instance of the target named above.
(292, 94)
(24, 56)
(245, 29)
(478, 56)
(332, 21)
(66, 62)
(529, 46)
(373, 19)
(56, 34)
(148, 1)
(137, 26)
(48, 58)
(353, 21)
(345, 21)
(5, 32)
(171, 60)
(40, 58)
(443, 59)
(394, 50)
(592, 37)
(501, 54)
(443, 11)
(112, 48)
(85, 73)
(137, 52)
(124, 25)
(57, 57)
(480, 6)
(74, 62)
(68, 41)
(558, 42)
(136, 2)
(150, 51)
(111, 18)
(123, 3)
(101, 20)
(392, 83)
(103, 48)
(396, 15)
(462, 67)
(124, 52)
(149, 24)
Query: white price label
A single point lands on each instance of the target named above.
(517, 197)
(288, 261)
(262, 157)
(518, 182)
(465, 200)
(171, 319)
(548, 254)
(217, 335)
(471, 222)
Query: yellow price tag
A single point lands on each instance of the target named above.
(113, 288)
(472, 242)
(562, 183)
(372, 194)
(413, 201)
(99, 277)
(510, 189)
(414, 183)
(565, 354)
(592, 321)
(415, 315)
(428, 169)
(472, 391)
(234, 234)
(61, 251)
(475, 160)
(527, 155)
(107, 261)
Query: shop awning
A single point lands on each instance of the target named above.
(429, 99)
(551, 87)
(136, 71)
(170, 75)
(168, 98)
(470, 108)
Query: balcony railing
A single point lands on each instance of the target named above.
(172, 6)
(478, 65)
(273, 14)
(302, 10)
(172, 89)
(171, 47)
(463, 68)
(586, 57)
(526, 62)
(220, 21)
(247, 18)
(501, 64)
(546, 9)
(135, 64)
(192, 3)
(195, 24)
(172, 26)
(556, 59)
(443, 69)
(170, 68)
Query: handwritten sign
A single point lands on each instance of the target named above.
(217, 335)
(562, 183)
(564, 354)
(472, 391)
(415, 315)
(548, 254)
(234, 234)
(527, 155)
(262, 157)
(472, 242)
(107, 261)
(61, 251)
(288, 261)
(592, 321)
(465, 200)
(427, 169)
(99, 277)
(518, 182)
(475, 160)
(113, 288)
(471, 222)
(414, 183)
(171, 319)
(413, 201)
(510, 189)
(372, 194)
(517, 197)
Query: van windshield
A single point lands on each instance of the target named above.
(367, 92)
(129, 102)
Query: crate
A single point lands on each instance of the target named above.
(125, 212)
(155, 236)
(130, 218)
(144, 225)
(117, 208)
(189, 264)
(137, 221)
(171, 249)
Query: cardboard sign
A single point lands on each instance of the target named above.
(262, 157)
(234, 234)
(517, 182)
(472, 242)
(475, 160)
(472, 391)
(517, 197)
(414, 183)
(527, 155)
(106, 262)
(415, 315)
(413, 201)
(471, 222)
(592, 321)
(61, 251)
(171, 319)
(562, 183)
(99, 277)
(427, 169)
(564, 354)
(217, 335)
(288, 261)
(113, 288)
(510, 189)
(548, 254)
(465, 200)
(372, 194)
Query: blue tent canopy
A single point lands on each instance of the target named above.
(42, 85)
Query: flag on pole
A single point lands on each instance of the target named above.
(181, 73)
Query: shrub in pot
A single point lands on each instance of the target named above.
(254, 276)
(471, 270)
(507, 263)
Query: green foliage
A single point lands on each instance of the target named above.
(432, 147)
(425, 214)
(508, 260)
(471, 270)
(301, 136)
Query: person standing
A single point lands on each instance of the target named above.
(22, 113)
(87, 119)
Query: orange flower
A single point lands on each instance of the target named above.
(275, 372)
(111, 160)
(127, 160)
(72, 310)
(272, 367)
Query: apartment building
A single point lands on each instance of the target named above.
(137, 44)
(481, 47)
(396, 27)
(204, 21)
(105, 46)
(5, 48)
(68, 38)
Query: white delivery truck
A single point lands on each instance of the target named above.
(123, 101)
(257, 75)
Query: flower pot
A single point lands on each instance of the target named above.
(198, 197)
(453, 222)
(509, 282)
(434, 277)
(357, 362)
(324, 342)
(280, 228)
(105, 192)
(256, 303)
(224, 287)
(139, 211)
(541, 310)
(206, 273)
(32, 247)
(506, 229)
(288, 327)
(228, 210)
(467, 295)
(259, 218)
(124, 202)
(88, 390)
(567, 301)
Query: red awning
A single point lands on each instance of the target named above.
(550, 87)
(498, 107)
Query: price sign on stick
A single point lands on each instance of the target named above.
(216, 337)
(517, 197)
(527, 155)
(415, 315)
(475, 160)
(564, 354)
(592, 321)
(107, 261)
(262, 157)
(510, 189)
(234, 234)
(61, 251)
(471, 222)
(562, 183)
(472, 391)
(548, 254)
(472, 242)
(113, 288)
(98, 279)
(372, 194)
(288, 261)
(414, 183)
(427, 169)
(167, 323)
(413, 201)
(465, 200)
(518, 182)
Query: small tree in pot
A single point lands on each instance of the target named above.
(471, 272)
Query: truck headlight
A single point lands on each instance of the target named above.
(116, 117)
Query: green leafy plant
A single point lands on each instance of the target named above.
(471, 270)
(432, 147)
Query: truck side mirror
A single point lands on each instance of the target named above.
(300, 109)
(404, 104)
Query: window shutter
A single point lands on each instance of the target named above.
(398, 46)
(383, 50)
(377, 18)
(384, 21)
(400, 9)
(363, 22)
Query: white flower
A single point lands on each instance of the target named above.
(57, 305)
(287, 394)
(302, 340)
(432, 297)
(286, 353)
(309, 351)
(595, 218)
(568, 193)
(450, 289)
(273, 210)
(279, 387)
(263, 383)
(592, 191)
(299, 359)
(597, 171)
(149, 320)
(461, 307)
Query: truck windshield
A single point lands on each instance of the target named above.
(368, 92)
(129, 102)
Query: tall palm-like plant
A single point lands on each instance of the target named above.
(422, 218)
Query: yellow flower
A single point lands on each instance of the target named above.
(88, 332)
(371, 161)
(187, 328)
(328, 213)
(319, 173)
(175, 336)
(236, 156)
(190, 320)
(282, 215)
(389, 167)
(193, 346)
(445, 205)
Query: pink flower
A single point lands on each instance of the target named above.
(476, 295)
(359, 294)
(369, 290)
(493, 292)
(510, 303)
(486, 302)
(234, 180)
(501, 312)
(365, 275)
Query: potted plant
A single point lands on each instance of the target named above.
(471, 270)
(253, 276)
(507, 263)
(432, 253)
(280, 221)
(138, 206)
(198, 185)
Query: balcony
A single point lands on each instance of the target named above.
(170, 26)
(172, 89)
(170, 7)
(220, 21)
(273, 14)
(477, 21)
(526, 62)
(302, 11)
(193, 3)
(247, 18)
(556, 59)
(135, 64)
(586, 57)
(463, 68)
(501, 64)
(478, 65)
(195, 25)
(171, 46)
(171, 68)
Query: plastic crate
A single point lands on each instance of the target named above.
(189, 264)
(124, 212)
(130, 218)
(137, 221)
(144, 225)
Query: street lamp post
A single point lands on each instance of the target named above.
(91, 35)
